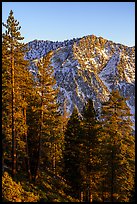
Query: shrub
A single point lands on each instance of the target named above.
(13, 192)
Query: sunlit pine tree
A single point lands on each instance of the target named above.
(15, 82)
(117, 145)
(90, 161)
(48, 148)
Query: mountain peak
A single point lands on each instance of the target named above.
(88, 67)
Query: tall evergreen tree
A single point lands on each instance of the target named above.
(33, 123)
(89, 153)
(117, 146)
(48, 134)
(15, 82)
(71, 154)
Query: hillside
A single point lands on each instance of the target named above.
(67, 135)
(49, 188)
(88, 67)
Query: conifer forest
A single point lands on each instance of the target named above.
(49, 155)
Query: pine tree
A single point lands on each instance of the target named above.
(48, 134)
(6, 108)
(89, 153)
(117, 150)
(71, 154)
(33, 123)
(15, 82)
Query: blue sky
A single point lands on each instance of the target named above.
(59, 21)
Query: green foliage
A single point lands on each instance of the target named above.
(43, 119)
(71, 154)
(117, 149)
(68, 157)
(89, 162)
(54, 186)
(16, 85)
(47, 189)
(13, 191)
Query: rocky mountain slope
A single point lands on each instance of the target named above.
(88, 67)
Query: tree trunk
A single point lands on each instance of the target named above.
(38, 161)
(40, 134)
(13, 116)
(112, 177)
(90, 194)
(103, 187)
(81, 196)
(39, 150)
(27, 152)
(54, 160)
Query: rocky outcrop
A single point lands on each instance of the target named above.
(88, 67)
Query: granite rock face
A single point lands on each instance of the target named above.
(88, 67)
